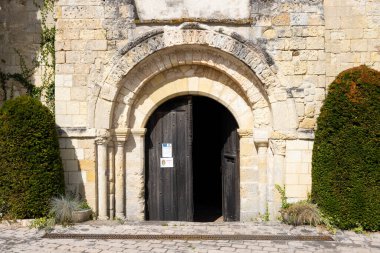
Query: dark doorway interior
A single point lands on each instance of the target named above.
(208, 140)
(203, 184)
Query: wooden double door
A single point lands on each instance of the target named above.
(175, 150)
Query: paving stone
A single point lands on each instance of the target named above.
(19, 239)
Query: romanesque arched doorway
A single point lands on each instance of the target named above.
(192, 162)
(196, 61)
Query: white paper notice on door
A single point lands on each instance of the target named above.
(166, 162)
(167, 150)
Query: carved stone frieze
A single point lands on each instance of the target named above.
(156, 40)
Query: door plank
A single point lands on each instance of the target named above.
(230, 171)
(169, 190)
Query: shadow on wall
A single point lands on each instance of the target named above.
(20, 35)
(75, 176)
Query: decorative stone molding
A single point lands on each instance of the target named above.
(187, 80)
(79, 132)
(238, 56)
(281, 135)
(245, 133)
(121, 135)
(138, 131)
(260, 137)
(101, 140)
(102, 136)
(142, 47)
(195, 55)
(163, 49)
(261, 145)
(278, 147)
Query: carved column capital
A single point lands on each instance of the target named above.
(245, 133)
(260, 137)
(261, 144)
(101, 141)
(278, 147)
(103, 136)
(138, 131)
(121, 135)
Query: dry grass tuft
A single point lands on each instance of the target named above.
(301, 213)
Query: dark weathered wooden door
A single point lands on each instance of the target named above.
(230, 170)
(169, 191)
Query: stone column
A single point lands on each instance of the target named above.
(260, 137)
(120, 173)
(111, 181)
(262, 152)
(102, 161)
(135, 175)
(248, 176)
(278, 148)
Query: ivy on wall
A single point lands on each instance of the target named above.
(47, 55)
(45, 60)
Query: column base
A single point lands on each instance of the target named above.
(120, 216)
(103, 218)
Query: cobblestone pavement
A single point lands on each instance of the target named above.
(14, 238)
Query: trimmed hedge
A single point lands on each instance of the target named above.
(31, 171)
(346, 154)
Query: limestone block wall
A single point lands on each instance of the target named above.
(298, 169)
(19, 30)
(89, 32)
(292, 33)
(352, 34)
(78, 158)
(305, 43)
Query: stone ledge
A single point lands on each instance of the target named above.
(79, 132)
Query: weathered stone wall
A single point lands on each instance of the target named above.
(352, 35)
(289, 35)
(20, 30)
(149, 10)
(292, 33)
(302, 45)
(89, 32)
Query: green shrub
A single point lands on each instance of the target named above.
(346, 154)
(31, 170)
(46, 223)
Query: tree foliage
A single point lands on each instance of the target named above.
(346, 155)
(31, 170)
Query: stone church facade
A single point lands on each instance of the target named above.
(268, 62)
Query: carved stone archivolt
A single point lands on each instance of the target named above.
(154, 41)
(166, 48)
